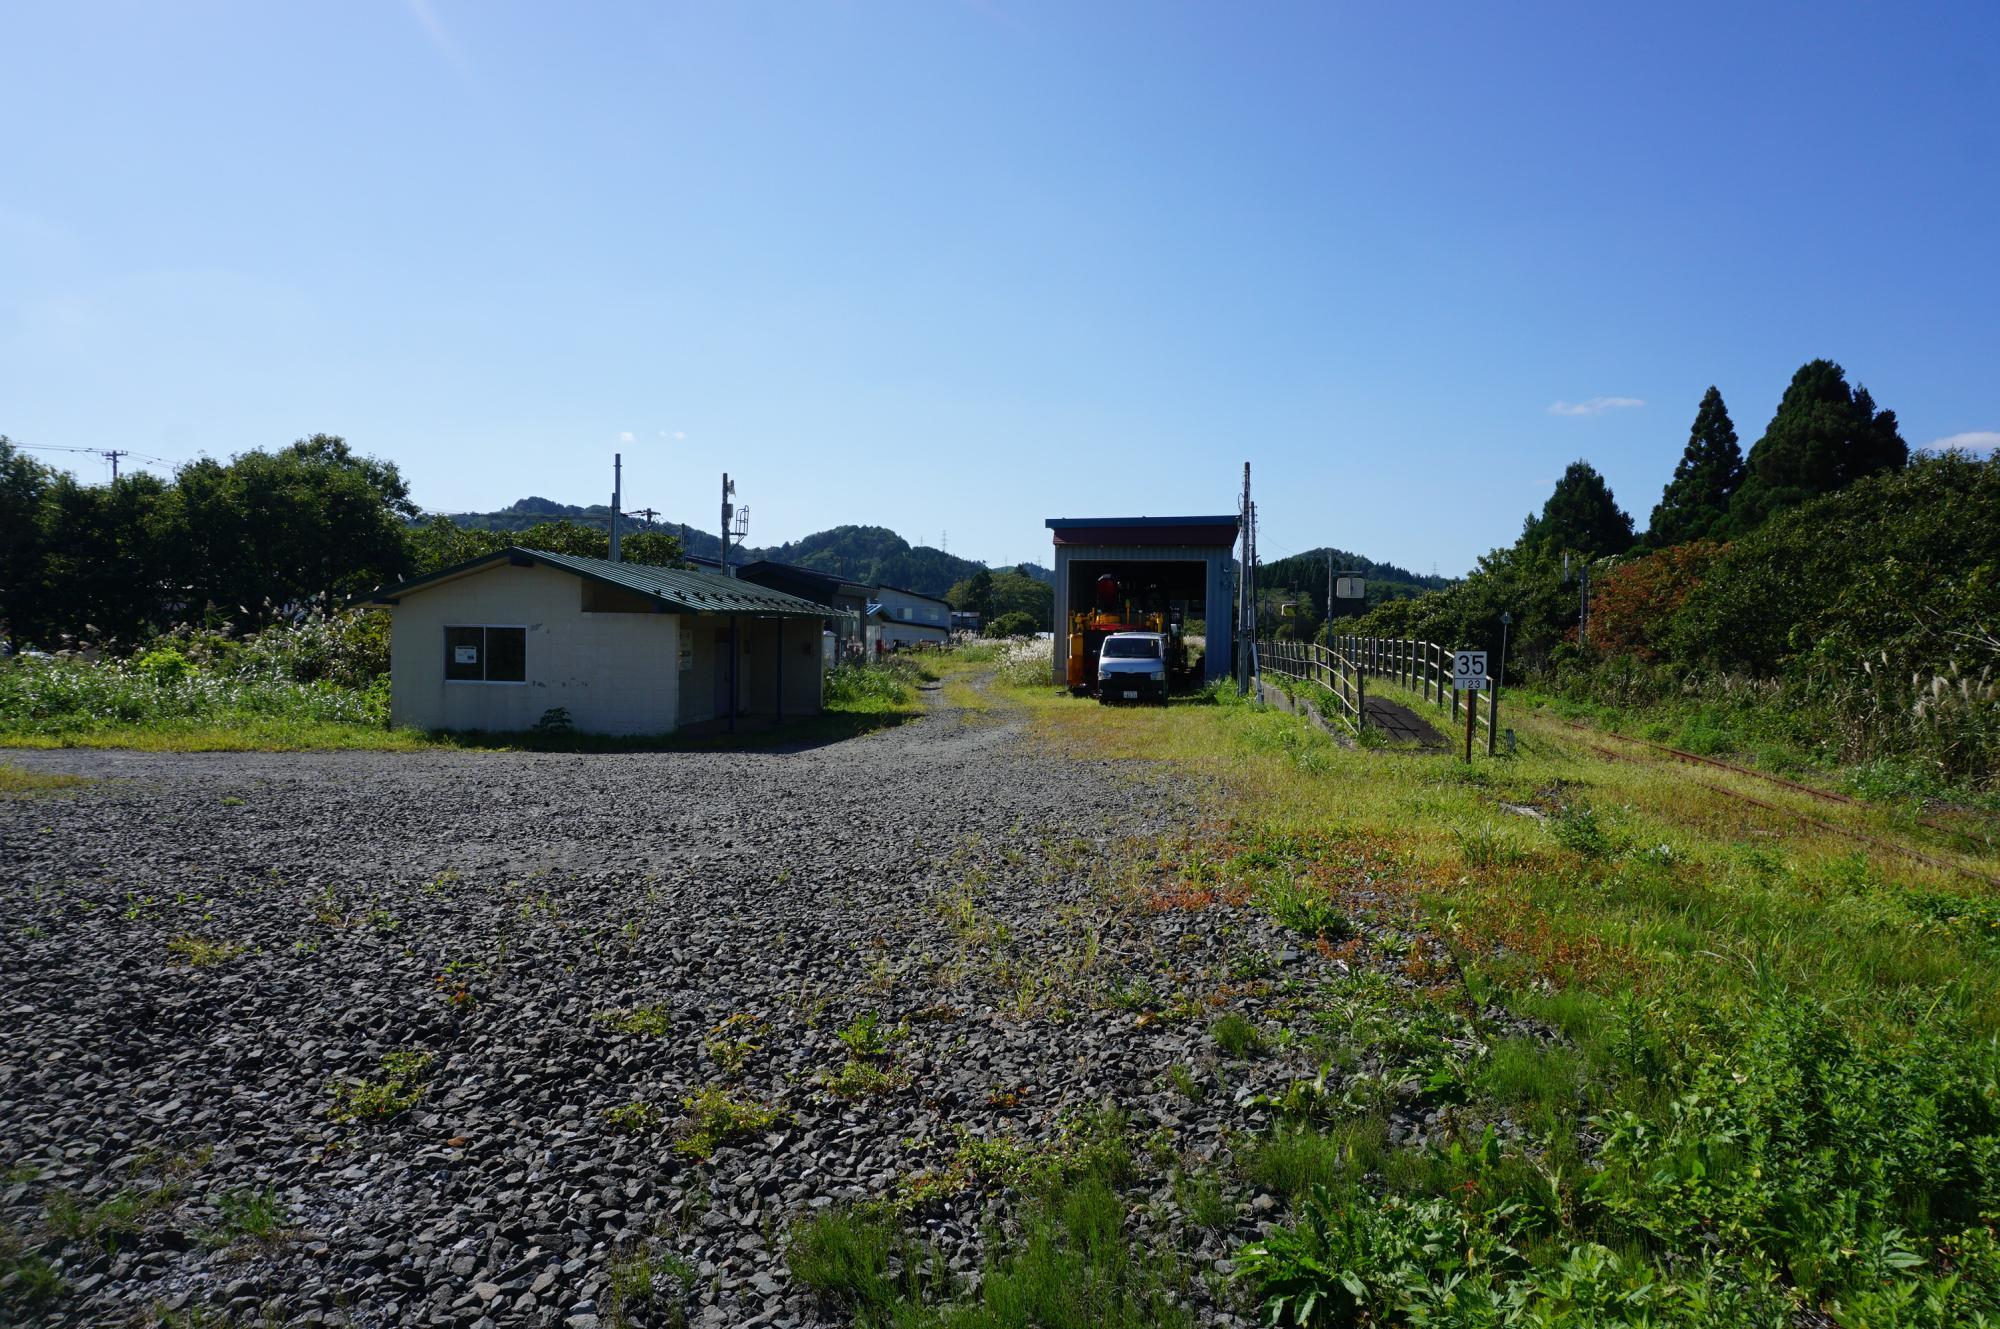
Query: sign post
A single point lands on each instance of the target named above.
(1468, 674)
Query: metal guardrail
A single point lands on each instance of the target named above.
(1424, 667)
(1312, 662)
(1342, 669)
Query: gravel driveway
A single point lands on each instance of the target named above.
(196, 947)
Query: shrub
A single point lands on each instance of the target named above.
(1015, 624)
(869, 685)
(1028, 663)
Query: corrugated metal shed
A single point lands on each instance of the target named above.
(675, 590)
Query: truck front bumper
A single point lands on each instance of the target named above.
(1131, 687)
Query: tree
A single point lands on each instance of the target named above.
(443, 543)
(1581, 516)
(1632, 607)
(1019, 593)
(1696, 501)
(1823, 437)
(24, 483)
(281, 528)
(974, 594)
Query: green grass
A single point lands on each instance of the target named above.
(650, 1021)
(1764, 1089)
(1071, 1265)
(204, 952)
(634, 1118)
(115, 1222)
(29, 1283)
(646, 1285)
(857, 1078)
(247, 1215)
(122, 704)
(1238, 1036)
(19, 782)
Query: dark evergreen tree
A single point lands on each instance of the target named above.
(1696, 501)
(1824, 437)
(1581, 515)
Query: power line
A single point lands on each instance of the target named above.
(109, 454)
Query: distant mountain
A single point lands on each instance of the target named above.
(1305, 574)
(867, 554)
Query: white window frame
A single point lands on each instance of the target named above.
(520, 682)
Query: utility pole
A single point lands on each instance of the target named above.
(1243, 589)
(728, 511)
(109, 454)
(1255, 669)
(617, 493)
(647, 515)
(1329, 597)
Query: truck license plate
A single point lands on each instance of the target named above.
(1131, 696)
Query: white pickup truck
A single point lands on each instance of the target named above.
(1132, 666)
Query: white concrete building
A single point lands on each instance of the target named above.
(503, 641)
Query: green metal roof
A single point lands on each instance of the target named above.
(675, 590)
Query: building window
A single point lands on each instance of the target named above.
(485, 655)
(903, 612)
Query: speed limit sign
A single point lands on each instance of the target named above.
(1468, 671)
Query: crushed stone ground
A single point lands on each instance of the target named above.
(486, 908)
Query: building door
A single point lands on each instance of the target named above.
(725, 671)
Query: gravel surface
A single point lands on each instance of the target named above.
(490, 910)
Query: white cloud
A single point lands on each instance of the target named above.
(1977, 440)
(1595, 406)
(672, 433)
(627, 436)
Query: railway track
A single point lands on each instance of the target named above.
(1825, 795)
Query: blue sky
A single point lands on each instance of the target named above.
(960, 267)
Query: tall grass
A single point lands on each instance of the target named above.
(54, 698)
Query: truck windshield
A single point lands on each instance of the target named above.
(1131, 648)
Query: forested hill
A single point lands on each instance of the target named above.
(1307, 572)
(868, 554)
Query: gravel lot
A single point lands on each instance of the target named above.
(488, 909)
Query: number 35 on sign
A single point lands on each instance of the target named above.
(1468, 671)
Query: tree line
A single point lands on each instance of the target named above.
(1825, 575)
(248, 541)
(1824, 436)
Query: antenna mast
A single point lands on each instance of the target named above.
(728, 512)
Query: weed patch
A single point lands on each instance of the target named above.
(399, 1089)
(204, 952)
(714, 1118)
(654, 1021)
